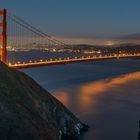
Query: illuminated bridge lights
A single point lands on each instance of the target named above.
(31, 63)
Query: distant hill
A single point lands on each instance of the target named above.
(131, 36)
(89, 47)
(28, 112)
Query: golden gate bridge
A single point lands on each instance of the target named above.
(17, 34)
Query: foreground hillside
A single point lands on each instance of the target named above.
(28, 112)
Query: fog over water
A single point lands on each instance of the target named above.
(103, 94)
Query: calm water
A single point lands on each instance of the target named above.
(103, 94)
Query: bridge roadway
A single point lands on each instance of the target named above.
(59, 61)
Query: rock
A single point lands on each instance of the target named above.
(28, 112)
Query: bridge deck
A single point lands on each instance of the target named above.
(67, 60)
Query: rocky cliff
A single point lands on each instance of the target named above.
(28, 112)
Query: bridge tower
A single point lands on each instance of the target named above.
(3, 36)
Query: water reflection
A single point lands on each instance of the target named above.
(87, 93)
(104, 85)
(63, 97)
(110, 106)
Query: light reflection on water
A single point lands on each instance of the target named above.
(110, 106)
(98, 95)
(104, 85)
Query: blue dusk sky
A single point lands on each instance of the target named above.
(83, 18)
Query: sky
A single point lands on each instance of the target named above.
(79, 18)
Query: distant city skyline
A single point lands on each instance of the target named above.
(80, 18)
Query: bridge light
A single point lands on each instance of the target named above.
(9, 64)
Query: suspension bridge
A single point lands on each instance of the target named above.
(19, 38)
